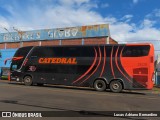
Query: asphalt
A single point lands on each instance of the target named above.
(154, 91)
(79, 101)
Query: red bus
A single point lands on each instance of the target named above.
(114, 67)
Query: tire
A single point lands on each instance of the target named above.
(115, 86)
(100, 85)
(28, 81)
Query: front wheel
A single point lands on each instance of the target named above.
(115, 86)
(100, 85)
(28, 81)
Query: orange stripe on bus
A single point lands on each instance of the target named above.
(104, 62)
(112, 63)
(95, 58)
(96, 67)
(118, 66)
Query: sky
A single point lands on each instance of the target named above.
(129, 20)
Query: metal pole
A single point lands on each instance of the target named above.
(8, 32)
(20, 33)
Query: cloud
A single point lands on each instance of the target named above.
(62, 13)
(46, 14)
(73, 2)
(105, 5)
(127, 18)
(125, 32)
(65, 13)
(3, 24)
(135, 1)
(146, 23)
(155, 14)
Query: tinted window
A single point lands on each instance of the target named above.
(135, 51)
(22, 52)
(63, 52)
(71, 52)
(87, 51)
(79, 51)
(47, 51)
(109, 50)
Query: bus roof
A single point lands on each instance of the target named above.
(128, 44)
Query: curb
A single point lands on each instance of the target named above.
(4, 80)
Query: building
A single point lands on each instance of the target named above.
(93, 34)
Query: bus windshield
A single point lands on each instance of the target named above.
(19, 57)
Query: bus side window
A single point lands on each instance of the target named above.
(135, 51)
(70, 52)
(144, 52)
(127, 53)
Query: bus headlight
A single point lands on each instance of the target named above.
(17, 79)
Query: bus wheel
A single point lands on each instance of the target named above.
(28, 81)
(100, 85)
(115, 86)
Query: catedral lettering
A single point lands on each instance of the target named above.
(57, 61)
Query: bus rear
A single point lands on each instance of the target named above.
(138, 61)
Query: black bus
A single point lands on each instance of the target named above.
(117, 67)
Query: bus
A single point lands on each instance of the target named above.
(116, 67)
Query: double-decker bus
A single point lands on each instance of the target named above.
(114, 67)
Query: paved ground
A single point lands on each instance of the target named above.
(17, 97)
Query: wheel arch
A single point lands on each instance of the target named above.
(27, 75)
(101, 78)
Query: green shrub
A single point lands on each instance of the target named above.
(4, 78)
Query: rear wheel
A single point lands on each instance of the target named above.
(100, 85)
(28, 81)
(116, 86)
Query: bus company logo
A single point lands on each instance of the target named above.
(32, 68)
(57, 61)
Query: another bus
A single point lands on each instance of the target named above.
(114, 67)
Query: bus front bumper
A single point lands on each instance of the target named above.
(14, 79)
(16, 76)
